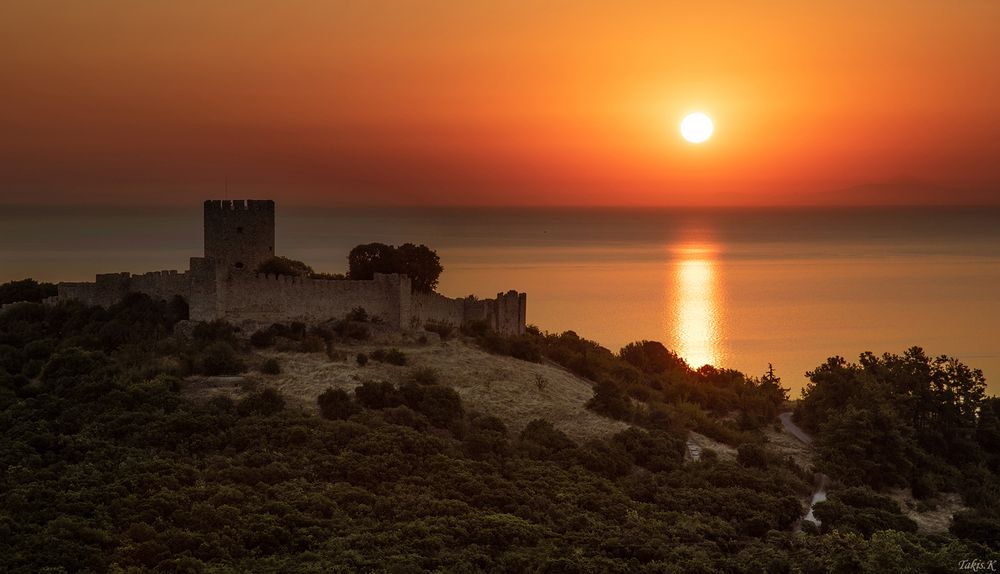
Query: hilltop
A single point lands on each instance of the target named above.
(132, 440)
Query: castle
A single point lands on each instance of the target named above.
(239, 236)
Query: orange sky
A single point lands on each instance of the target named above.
(499, 102)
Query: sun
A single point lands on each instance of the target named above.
(697, 127)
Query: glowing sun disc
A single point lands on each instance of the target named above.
(697, 127)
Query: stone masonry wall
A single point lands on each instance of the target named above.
(161, 285)
(437, 308)
(271, 298)
(214, 291)
(110, 288)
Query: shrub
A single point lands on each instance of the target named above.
(377, 395)
(212, 331)
(312, 344)
(66, 367)
(218, 359)
(424, 376)
(540, 439)
(358, 332)
(262, 339)
(392, 356)
(751, 455)
(351, 330)
(322, 332)
(441, 405)
(358, 314)
(335, 354)
(271, 367)
(26, 290)
(443, 329)
(541, 382)
(285, 266)
(476, 328)
(265, 402)
(652, 357)
(336, 404)
(405, 416)
(525, 348)
(610, 401)
(395, 357)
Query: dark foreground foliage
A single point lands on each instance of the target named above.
(105, 466)
(912, 421)
(26, 290)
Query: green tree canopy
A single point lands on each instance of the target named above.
(652, 357)
(26, 290)
(285, 266)
(420, 263)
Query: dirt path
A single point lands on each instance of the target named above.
(791, 427)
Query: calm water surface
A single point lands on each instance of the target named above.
(734, 288)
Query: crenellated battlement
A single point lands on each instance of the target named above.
(263, 205)
(328, 284)
(164, 273)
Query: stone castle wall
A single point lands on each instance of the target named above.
(434, 307)
(162, 285)
(506, 314)
(273, 298)
(110, 288)
(239, 235)
(214, 291)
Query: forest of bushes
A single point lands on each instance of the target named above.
(106, 465)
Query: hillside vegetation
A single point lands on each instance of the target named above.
(129, 444)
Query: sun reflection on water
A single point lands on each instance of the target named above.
(695, 325)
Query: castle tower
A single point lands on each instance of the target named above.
(239, 233)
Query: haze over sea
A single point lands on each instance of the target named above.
(735, 288)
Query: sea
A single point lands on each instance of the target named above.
(734, 288)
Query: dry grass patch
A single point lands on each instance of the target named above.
(930, 521)
(724, 451)
(515, 391)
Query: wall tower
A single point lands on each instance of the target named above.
(239, 234)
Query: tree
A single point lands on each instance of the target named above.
(769, 387)
(610, 401)
(265, 402)
(652, 357)
(751, 455)
(336, 404)
(364, 261)
(441, 405)
(867, 446)
(26, 290)
(421, 264)
(418, 262)
(285, 266)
